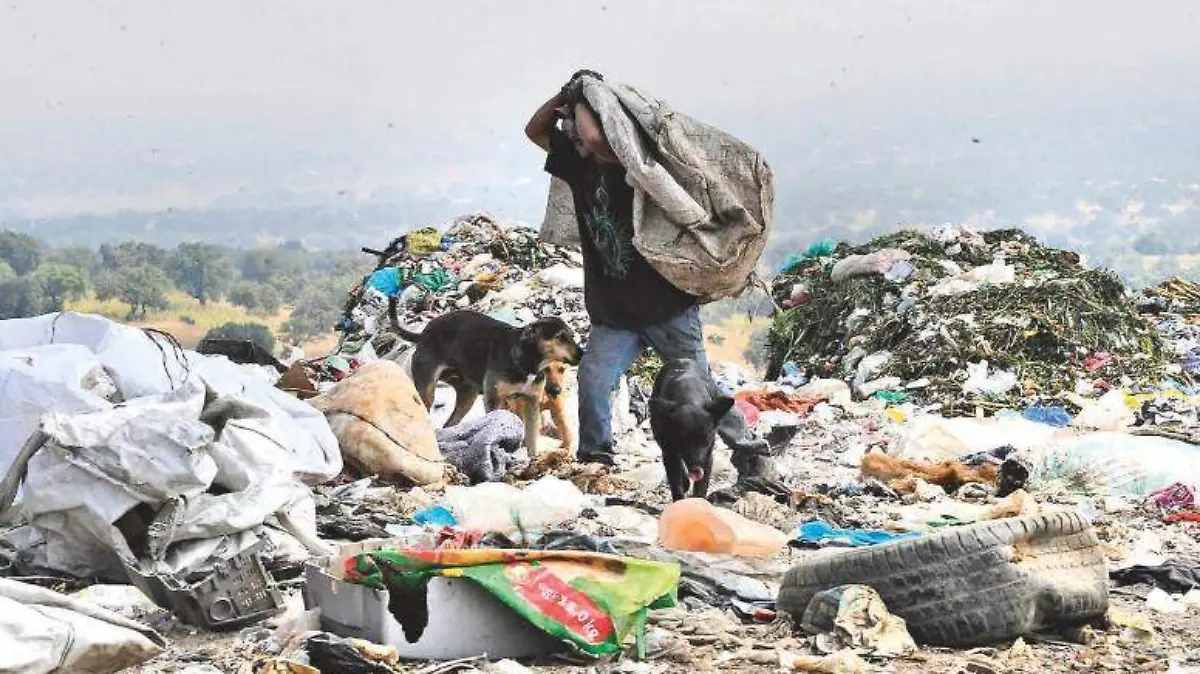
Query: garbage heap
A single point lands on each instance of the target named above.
(1174, 305)
(477, 263)
(959, 319)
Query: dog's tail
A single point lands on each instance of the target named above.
(395, 323)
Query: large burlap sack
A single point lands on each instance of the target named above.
(703, 200)
(381, 424)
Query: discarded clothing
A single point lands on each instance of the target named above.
(703, 200)
(778, 400)
(1183, 516)
(819, 534)
(855, 617)
(1174, 576)
(485, 449)
(1177, 496)
(591, 600)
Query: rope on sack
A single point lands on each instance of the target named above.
(16, 474)
(178, 351)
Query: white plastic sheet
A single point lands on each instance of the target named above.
(42, 631)
(48, 363)
(211, 439)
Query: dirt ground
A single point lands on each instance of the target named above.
(711, 641)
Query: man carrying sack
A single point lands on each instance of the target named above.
(668, 213)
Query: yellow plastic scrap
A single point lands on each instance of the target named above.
(897, 415)
(423, 241)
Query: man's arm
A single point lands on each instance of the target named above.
(542, 123)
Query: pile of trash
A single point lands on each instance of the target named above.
(259, 518)
(959, 319)
(1175, 307)
(477, 263)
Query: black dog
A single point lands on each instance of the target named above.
(685, 409)
(479, 354)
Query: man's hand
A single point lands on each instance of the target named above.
(572, 91)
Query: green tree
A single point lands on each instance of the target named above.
(22, 252)
(21, 297)
(142, 287)
(61, 284)
(254, 332)
(255, 297)
(131, 254)
(245, 295)
(201, 270)
(86, 260)
(6, 271)
(317, 309)
(269, 299)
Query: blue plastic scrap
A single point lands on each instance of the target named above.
(821, 534)
(435, 516)
(388, 281)
(1051, 415)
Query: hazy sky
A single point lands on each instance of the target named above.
(146, 104)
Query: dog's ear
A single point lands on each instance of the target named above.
(719, 407)
(662, 408)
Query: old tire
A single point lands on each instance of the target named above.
(972, 585)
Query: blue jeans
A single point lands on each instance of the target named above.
(609, 354)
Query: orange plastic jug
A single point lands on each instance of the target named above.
(698, 526)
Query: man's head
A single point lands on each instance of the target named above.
(572, 130)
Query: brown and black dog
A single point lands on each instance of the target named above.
(553, 401)
(479, 354)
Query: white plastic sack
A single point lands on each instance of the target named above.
(139, 364)
(98, 466)
(562, 276)
(502, 508)
(39, 379)
(878, 262)
(42, 631)
(996, 273)
(1109, 413)
(929, 437)
(988, 383)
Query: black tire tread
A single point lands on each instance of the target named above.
(972, 585)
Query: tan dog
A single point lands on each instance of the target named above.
(477, 354)
(553, 401)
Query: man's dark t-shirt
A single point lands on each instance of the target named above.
(621, 289)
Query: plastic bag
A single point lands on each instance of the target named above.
(879, 262)
(698, 526)
(1109, 413)
(496, 507)
(989, 384)
(42, 631)
(1117, 464)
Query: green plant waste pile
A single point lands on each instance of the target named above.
(963, 320)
